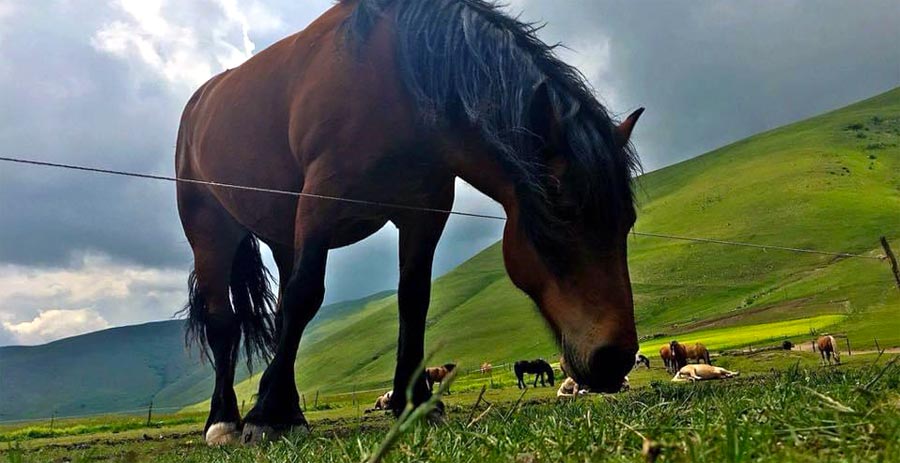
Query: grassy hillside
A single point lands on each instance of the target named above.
(831, 182)
(120, 369)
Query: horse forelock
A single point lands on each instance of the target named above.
(466, 62)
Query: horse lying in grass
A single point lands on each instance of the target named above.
(827, 349)
(383, 402)
(570, 388)
(701, 372)
(539, 368)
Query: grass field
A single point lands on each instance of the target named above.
(784, 407)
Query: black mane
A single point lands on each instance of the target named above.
(465, 61)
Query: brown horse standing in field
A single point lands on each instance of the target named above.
(827, 349)
(665, 353)
(697, 352)
(679, 355)
(438, 374)
(384, 103)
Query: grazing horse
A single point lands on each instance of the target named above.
(486, 368)
(827, 348)
(665, 353)
(679, 355)
(539, 368)
(437, 374)
(641, 359)
(368, 116)
(702, 372)
(698, 352)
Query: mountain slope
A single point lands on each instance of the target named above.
(121, 369)
(831, 182)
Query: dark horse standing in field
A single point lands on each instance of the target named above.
(385, 103)
(539, 368)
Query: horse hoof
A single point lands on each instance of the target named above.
(436, 417)
(222, 434)
(256, 433)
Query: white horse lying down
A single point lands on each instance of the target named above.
(702, 371)
(569, 388)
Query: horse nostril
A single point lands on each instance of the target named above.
(609, 365)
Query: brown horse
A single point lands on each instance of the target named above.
(679, 355)
(827, 349)
(665, 353)
(486, 368)
(438, 374)
(383, 104)
(697, 352)
(383, 402)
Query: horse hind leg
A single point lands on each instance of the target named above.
(211, 319)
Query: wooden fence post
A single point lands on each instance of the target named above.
(149, 413)
(890, 255)
(849, 351)
(316, 402)
(303, 399)
(52, 419)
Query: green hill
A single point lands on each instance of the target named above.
(831, 183)
(119, 369)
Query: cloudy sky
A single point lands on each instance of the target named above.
(102, 83)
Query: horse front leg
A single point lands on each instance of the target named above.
(277, 409)
(418, 240)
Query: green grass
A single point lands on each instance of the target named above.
(784, 407)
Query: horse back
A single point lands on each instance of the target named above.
(298, 116)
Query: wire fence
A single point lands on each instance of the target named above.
(380, 204)
(373, 387)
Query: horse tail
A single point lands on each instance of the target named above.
(253, 300)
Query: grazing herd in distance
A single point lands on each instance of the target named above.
(676, 358)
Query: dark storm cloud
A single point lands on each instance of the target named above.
(63, 101)
(712, 72)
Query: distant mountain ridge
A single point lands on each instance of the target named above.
(116, 369)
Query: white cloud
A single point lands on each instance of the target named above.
(108, 293)
(55, 324)
(183, 46)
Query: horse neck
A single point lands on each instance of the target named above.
(470, 159)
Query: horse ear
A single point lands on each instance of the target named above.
(542, 118)
(623, 130)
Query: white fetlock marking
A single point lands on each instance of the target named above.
(222, 434)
